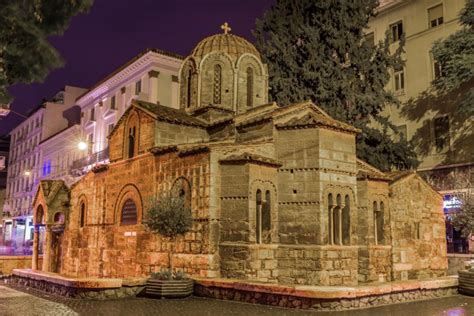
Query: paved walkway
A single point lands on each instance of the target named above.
(32, 302)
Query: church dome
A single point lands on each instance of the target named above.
(225, 42)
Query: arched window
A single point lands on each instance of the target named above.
(249, 86)
(258, 217)
(129, 213)
(346, 221)
(182, 189)
(266, 218)
(82, 219)
(379, 221)
(39, 215)
(330, 219)
(337, 224)
(131, 141)
(59, 218)
(217, 84)
(188, 88)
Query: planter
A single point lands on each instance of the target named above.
(169, 288)
(466, 282)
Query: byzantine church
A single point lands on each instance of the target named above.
(277, 193)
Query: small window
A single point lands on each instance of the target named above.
(417, 230)
(369, 39)
(82, 215)
(258, 216)
(399, 79)
(402, 131)
(129, 213)
(217, 84)
(92, 117)
(131, 142)
(435, 16)
(437, 70)
(441, 132)
(138, 87)
(112, 102)
(396, 31)
(249, 87)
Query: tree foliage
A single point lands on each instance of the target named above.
(455, 55)
(25, 54)
(168, 216)
(316, 50)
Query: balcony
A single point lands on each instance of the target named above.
(90, 160)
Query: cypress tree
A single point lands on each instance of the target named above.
(316, 50)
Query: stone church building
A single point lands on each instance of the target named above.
(276, 192)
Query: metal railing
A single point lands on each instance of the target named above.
(91, 159)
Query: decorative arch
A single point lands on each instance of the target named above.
(182, 188)
(188, 78)
(217, 80)
(251, 82)
(129, 192)
(132, 132)
(82, 211)
(338, 201)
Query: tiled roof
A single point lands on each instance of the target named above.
(169, 114)
(247, 157)
(366, 171)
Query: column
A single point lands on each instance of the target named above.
(340, 224)
(47, 250)
(34, 264)
(153, 85)
(331, 225)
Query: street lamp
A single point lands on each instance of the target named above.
(82, 145)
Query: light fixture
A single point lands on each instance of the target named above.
(27, 173)
(82, 145)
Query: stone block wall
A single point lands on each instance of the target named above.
(172, 134)
(418, 229)
(375, 263)
(104, 248)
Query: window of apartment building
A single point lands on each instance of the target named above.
(369, 39)
(90, 141)
(399, 78)
(441, 132)
(396, 31)
(92, 117)
(437, 70)
(110, 128)
(138, 87)
(435, 16)
(112, 102)
(402, 131)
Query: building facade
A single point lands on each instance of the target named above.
(443, 140)
(276, 193)
(4, 152)
(25, 167)
(151, 76)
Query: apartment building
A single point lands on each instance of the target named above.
(151, 76)
(25, 161)
(443, 140)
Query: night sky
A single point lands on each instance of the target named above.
(114, 31)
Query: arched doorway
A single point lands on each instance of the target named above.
(57, 232)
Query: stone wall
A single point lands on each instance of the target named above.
(323, 299)
(104, 248)
(418, 229)
(456, 262)
(8, 263)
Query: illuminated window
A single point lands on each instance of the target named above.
(435, 16)
(129, 213)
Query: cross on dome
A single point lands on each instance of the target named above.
(226, 28)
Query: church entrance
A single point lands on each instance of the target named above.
(56, 251)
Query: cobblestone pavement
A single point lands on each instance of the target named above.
(19, 302)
